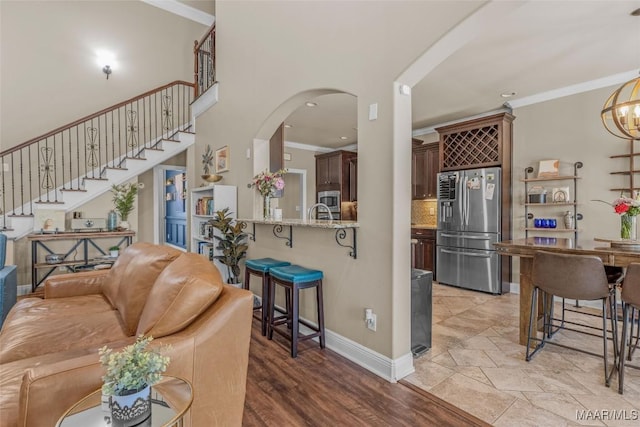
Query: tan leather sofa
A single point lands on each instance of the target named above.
(49, 347)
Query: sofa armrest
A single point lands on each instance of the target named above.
(75, 284)
(48, 390)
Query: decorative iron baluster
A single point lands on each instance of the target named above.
(167, 113)
(92, 147)
(132, 128)
(46, 168)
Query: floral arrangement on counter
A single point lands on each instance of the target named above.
(124, 195)
(628, 208)
(132, 368)
(268, 183)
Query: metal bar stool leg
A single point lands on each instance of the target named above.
(295, 324)
(623, 344)
(320, 303)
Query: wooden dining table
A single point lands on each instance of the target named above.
(611, 252)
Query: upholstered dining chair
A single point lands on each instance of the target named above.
(579, 277)
(630, 295)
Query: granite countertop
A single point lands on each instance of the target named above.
(424, 226)
(314, 223)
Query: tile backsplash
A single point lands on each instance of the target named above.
(424, 212)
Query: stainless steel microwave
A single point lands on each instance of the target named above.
(331, 199)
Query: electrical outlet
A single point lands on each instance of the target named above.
(370, 319)
(297, 208)
(371, 323)
(432, 211)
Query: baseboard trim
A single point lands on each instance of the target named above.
(391, 370)
(23, 290)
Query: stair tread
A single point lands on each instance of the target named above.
(171, 140)
(135, 158)
(155, 149)
(73, 190)
(49, 203)
(116, 168)
(96, 179)
(20, 216)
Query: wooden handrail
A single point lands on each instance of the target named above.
(93, 116)
(211, 29)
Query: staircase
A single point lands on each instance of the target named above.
(76, 163)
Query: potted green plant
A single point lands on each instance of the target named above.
(129, 375)
(232, 242)
(124, 195)
(114, 251)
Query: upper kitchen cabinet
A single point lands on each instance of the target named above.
(333, 172)
(425, 166)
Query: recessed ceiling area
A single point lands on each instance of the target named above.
(331, 123)
(543, 46)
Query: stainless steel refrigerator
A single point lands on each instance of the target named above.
(469, 223)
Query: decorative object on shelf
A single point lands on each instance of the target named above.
(112, 220)
(124, 196)
(232, 243)
(537, 194)
(268, 184)
(560, 195)
(114, 251)
(48, 220)
(621, 112)
(207, 164)
(222, 159)
(568, 220)
(130, 373)
(548, 168)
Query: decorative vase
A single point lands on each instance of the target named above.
(568, 220)
(112, 220)
(124, 225)
(113, 254)
(265, 207)
(628, 230)
(131, 409)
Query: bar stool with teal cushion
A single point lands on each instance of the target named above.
(294, 278)
(260, 267)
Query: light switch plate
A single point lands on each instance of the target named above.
(373, 111)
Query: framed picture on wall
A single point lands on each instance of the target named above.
(222, 159)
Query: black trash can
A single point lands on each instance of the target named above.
(421, 311)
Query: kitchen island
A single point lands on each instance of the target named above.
(283, 229)
(527, 248)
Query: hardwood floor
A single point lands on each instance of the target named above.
(321, 388)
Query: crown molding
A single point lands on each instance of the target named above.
(614, 79)
(308, 147)
(181, 9)
(432, 129)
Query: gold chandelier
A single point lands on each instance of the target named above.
(621, 112)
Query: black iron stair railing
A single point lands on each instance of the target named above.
(39, 170)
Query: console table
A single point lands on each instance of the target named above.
(81, 239)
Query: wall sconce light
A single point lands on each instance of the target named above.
(107, 70)
(106, 61)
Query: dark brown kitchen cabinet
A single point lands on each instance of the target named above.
(353, 179)
(424, 171)
(334, 172)
(328, 171)
(425, 249)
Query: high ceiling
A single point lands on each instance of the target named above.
(545, 45)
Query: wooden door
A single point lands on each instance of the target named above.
(353, 179)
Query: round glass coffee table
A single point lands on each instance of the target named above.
(170, 399)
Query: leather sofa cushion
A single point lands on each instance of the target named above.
(131, 278)
(33, 335)
(186, 288)
(35, 309)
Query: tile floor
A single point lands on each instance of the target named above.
(477, 364)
